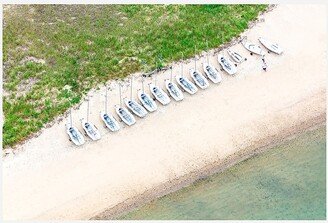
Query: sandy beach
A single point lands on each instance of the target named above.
(48, 178)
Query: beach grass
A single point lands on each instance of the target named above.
(54, 54)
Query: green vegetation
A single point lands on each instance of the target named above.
(54, 54)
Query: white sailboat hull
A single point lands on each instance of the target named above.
(174, 91)
(75, 135)
(253, 48)
(212, 73)
(147, 101)
(91, 130)
(110, 122)
(273, 47)
(186, 84)
(227, 65)
(125, 116)
(136, 108)
(236, 56)
(199, 79)
(159, 94)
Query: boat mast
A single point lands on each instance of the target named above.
(155, 76)
(207, 53)
(142, 82)
(158, 68)
(155, 73)
(88, 108)
(171, 74)
(131, 88)
(195, 59)
(70, 117)
(182, 65)
(120, 91)
(106, 100)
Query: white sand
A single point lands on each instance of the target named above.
(49, 178)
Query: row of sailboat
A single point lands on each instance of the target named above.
(148, 104)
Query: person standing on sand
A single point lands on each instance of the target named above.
(264, 65)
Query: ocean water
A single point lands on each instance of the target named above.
(285, 182)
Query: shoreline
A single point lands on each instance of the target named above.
(51, 179)
(214, 168)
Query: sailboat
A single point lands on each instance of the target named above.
(271, 46)
(158, 93)
(134, 106)
(227, 65)
(252, 48)
(173, 89)
(74, 134)
(146, 100)
(109, 120)
(211, 72)
(89, 128)
(198, 78)
(185, 83)
(236, 56)
(123, 113)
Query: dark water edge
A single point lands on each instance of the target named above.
(285, 182)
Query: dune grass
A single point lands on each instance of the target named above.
(54, 54)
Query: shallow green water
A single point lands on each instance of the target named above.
(286, 182)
